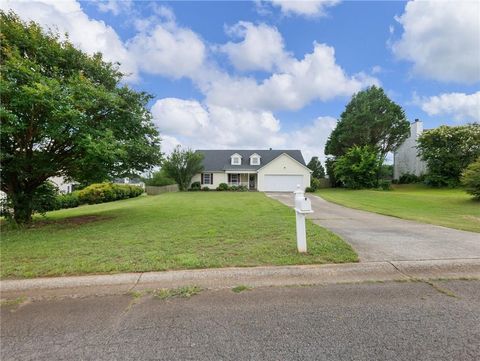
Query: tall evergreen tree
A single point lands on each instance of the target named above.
(316, 167)
(370, 119)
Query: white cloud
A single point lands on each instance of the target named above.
(315, 77)
(114, 6)
(312, 137)
(309, 8)
(180, 117)
(262, 47)
(168, 50)
(463, 107)
(197, 126)
(89, 35)
(210, 126)
(442, 39)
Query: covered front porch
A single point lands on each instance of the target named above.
(243, 178)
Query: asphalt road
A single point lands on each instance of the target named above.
(370, 321)
(376, 237)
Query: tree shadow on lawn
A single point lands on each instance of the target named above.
(68, 222)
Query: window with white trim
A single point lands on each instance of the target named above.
(236, 160)
(207, 178)
(255, 161)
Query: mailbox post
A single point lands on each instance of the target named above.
(303, 206)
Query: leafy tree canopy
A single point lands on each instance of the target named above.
(372, 119)
(182, 165)
(358, 168)
(159, 179)
(316, 166)
(448, 151)
(65, 113)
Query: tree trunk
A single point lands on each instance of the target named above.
(22, 206)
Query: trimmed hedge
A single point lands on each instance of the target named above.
(69, 200)
(107, 192)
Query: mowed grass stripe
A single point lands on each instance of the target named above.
(445, 207)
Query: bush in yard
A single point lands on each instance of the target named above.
(471, 179)
(315, 184)
(408, 178)
(196, 186)
(107, 192)
(358, 168)
(330, 166)
(242, 189)
(69, 200)
(310, 189)
(233, 188)
(448, 151)
(385, 185)
(222, 187)
(205, 189)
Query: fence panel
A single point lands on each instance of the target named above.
(152, 190)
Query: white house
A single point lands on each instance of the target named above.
(263, 170)
(405, 157)
(63, 185)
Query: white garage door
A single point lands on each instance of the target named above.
(282, 183)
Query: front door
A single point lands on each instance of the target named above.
(251, 181)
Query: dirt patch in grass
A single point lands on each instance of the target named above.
(69, 222)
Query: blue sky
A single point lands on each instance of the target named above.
(277, 74)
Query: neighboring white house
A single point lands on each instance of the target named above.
(405, 157)
(262, 170)
(63, 185)
(132, 181)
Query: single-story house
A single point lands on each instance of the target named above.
(263, 170)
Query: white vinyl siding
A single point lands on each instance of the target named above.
(217, 178)
(283, 165)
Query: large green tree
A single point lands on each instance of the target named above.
(181, 165)
(65, 113)
(448, 151)
(358, 168)
(316, 167)
(370, 119)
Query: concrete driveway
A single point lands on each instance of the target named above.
(382, 238)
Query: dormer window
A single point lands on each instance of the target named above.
(255, 159)
(236, 159)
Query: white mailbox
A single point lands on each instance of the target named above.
(303, 205)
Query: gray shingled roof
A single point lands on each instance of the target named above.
(219, 160)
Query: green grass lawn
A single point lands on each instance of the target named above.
(169, 231)
(446, 207)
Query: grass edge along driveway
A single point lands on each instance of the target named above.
(166, 232)
(446, 207)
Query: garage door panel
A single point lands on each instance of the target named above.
(282, 183)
